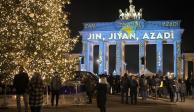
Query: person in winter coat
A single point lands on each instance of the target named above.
(182, 90)
(89, 89)
(102, 93)
(56, 84)
(177, 89)
(20, 83)
(124, 88)
(143, 87)
(171, 89)
(133, 90)
(36, 92)
(192, 86)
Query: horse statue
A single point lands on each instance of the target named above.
(139, 14)
(126, 14)
(121, 14)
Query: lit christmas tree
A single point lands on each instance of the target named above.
(9, 38)
(40, 36)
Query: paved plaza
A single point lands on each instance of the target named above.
(114, 105)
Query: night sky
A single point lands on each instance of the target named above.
(107, 11)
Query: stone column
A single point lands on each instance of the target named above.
(159, 57)
(182, 68)
(177, 59)
(103, 57)
(186, 74)
(119, 58)
(88, 56)
(106, 57)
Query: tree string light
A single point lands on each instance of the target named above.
(35, 34)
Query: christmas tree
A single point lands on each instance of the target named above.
(41, 36)
(9, 38)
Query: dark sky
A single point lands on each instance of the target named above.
(107, 11)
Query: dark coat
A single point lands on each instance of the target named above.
(101, 95)
(125, 83)
(192, 82)
(133, 85)
(56, 83)
(183, 88)
(171, 86)
(21, 82)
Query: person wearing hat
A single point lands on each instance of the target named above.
(102, 93)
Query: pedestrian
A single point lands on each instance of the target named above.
(171, 89)
(110, 81)
(20, 83)
(157, 86)
(165, 88)
(188, 87)
(124, 88)
(89, 89)
(192, 86)
(36, 92)
(177, 89)
(143, 87)
(56, 84)
(102, 93)
(182, 90)
(117, 84)
(133, 89)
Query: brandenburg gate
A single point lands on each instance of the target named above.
(130, 29)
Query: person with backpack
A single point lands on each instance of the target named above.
(56, 84)
(124, 88)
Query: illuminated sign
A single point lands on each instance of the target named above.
(132, 36)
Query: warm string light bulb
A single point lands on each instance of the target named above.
(34, 34)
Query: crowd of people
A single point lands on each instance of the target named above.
(152, 86)
(134, 86)
(32, 90)
(128, 87)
